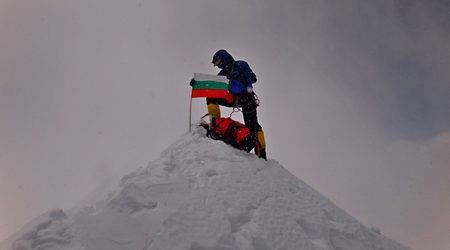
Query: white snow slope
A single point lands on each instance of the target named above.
(202, 194)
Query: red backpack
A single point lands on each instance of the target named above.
(232, 132)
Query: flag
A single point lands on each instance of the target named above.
(211, 86)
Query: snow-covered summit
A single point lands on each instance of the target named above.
(204, 195)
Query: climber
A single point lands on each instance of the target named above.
(241, 78)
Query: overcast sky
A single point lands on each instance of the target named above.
(355, 98)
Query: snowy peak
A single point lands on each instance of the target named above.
(203, 194)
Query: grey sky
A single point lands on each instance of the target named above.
(355, 98)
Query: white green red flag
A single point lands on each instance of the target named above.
(211, 86)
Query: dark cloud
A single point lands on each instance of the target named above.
(390, 56)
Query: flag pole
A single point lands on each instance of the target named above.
(190, 114)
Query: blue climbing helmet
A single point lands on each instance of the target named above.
(222, 59)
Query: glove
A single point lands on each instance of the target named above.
(192, 82)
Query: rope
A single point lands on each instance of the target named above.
(235, 109)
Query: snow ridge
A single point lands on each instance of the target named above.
(203, 195)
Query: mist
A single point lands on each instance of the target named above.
(354, 99)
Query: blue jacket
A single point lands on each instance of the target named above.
(240, 75)
(238, 72)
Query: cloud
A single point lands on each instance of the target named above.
(354, 95)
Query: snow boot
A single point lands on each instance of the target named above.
(213, 111)
(260, 146)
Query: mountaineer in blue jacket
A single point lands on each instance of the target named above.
(241, 78)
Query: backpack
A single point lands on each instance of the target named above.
(232, 132)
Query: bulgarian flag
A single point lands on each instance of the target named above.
(211, 86)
